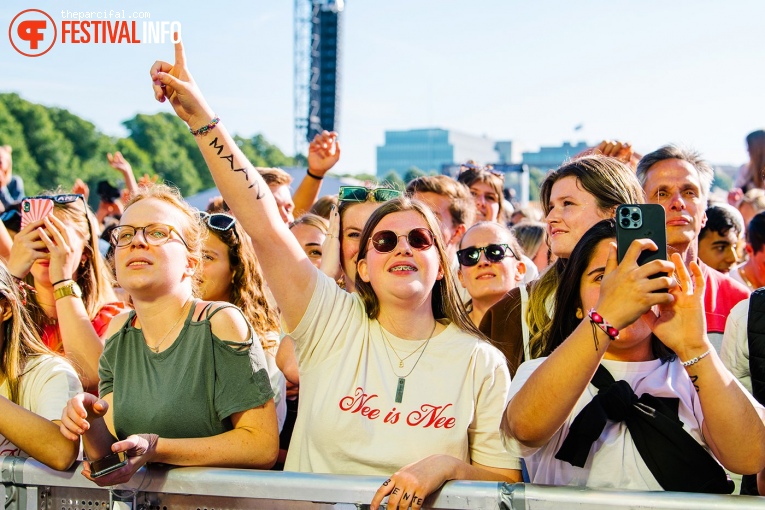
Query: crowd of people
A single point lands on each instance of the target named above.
(423, 335)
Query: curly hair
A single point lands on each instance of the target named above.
(247, 286)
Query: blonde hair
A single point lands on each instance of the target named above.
(92, 274)
(20, 341)
(312, 220)
(611, 183)
(275, 176)
(193, 232)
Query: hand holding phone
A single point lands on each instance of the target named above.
(641, 221)
(33, 209)
(106, 465)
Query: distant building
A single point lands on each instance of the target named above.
(431, 149)
(552, 157)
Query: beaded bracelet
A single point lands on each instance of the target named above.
(205, 129)
(597, 320)
(695, 360)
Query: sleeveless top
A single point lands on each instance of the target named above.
(188, 390)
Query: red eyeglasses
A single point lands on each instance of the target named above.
(385, 241)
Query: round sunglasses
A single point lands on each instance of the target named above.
(494, 253)
(385, 241)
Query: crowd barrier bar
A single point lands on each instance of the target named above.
(29, 486)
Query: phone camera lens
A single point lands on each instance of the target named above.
(635, 216)
(625, 222)
(625, 211)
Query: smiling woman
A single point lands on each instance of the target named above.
(397, 365)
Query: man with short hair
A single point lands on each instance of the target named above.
(279, 183)
(452, 204)
(719, 239)
(680, 180)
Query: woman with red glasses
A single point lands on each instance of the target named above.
(490, 266)
(183, 381)
(399, 379)
(73, 299)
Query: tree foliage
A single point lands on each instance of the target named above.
(52, 148)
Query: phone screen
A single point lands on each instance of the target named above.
(106, 465)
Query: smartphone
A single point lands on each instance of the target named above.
(641, 221)
(33, 209)
(106, 465)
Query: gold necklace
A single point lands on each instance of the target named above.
(742, 273)
(400, 359)
(402, 379)
(155, 349)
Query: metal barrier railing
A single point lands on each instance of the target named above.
(29, 485)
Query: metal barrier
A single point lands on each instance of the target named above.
(29, 485)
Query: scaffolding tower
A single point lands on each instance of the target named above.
(317, 69)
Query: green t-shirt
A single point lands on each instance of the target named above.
(188, 390)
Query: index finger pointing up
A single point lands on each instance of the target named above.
(180, 55)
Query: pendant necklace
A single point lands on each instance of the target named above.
(402, 379)
(155, 349)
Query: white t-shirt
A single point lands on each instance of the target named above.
(278, 381)
(348, 421)
(614, 461)
(734, 351)
(45, 388)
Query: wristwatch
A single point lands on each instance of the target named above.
(68, 289)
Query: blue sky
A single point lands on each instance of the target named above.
(647, 71)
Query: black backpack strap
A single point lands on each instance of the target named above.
(676, 460)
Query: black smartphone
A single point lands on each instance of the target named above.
(641, 221)
(106, 465)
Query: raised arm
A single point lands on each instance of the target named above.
(288, 271)
(119, 163)
(323, 154)
(546, 400)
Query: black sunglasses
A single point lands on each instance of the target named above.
(218, 221)
(494, 253)
(385, 241)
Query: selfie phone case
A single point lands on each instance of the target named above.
(106, 465)
(33, 209)
(641, 221)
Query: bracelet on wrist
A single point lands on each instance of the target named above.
(598, 321)
(62, 281)
(206, 129)
(318, 178)
(695, 360)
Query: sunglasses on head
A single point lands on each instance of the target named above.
(362, 194)
(494, 253)
(218, 221)
(385, 241)
(66, 198)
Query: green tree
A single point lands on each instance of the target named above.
(412, 174)
(722, 180)
(393, 179)
(12, 133)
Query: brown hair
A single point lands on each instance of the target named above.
(461, 206)
(312, 220)
(247, 285)
(755, 143)
(479, 174)
(445, 301)
(275, 176)
(611, 183)
(323, 206)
